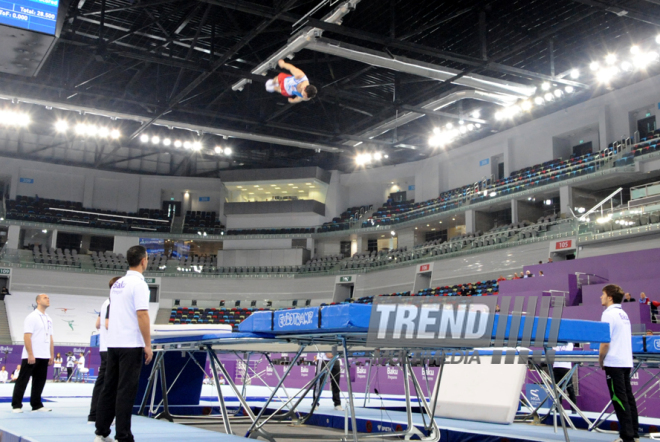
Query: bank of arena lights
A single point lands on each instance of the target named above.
(156, 140)
(14, 119)
(364, 159)
(87, 130)
(612, 65)
(450, 132)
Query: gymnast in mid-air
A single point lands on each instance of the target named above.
(295, 87)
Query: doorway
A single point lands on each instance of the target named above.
(646, 126)
(172, 208)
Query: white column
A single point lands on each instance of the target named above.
(514, 211)
(53, 239)
(565, 199)
(13, 235)
(470, 222)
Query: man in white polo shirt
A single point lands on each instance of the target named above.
(38, 353)
(128, 341)
(102, 322)
(617, 360)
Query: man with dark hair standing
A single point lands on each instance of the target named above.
(102, 327)
(38, 353)
(128, 341)
(617, 360)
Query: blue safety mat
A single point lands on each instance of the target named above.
(210, 337)
(646, 344)
(346, 318)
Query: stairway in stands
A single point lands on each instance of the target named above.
(5, 335)
(163, 316)
(177, 225)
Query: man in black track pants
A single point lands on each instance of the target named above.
(102, 326)
(617, 360)
(335, 374)
(38, 354)
(129, 340)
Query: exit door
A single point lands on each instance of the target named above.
(172, 208)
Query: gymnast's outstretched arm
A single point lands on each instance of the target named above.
(297, 73)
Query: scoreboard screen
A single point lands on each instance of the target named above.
(33, 15)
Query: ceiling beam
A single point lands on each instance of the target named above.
(216, 65)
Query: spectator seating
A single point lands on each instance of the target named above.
(50, 256)
(157, 262)
(203, 222)
(479, 288)
(193, 315)
(321, 263)
(520, 180)
(51, 211)
(344, 221)
(291, 231)
(109, 261)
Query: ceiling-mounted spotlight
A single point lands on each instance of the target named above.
(545, 86)
(539, 100)
(115, 134)
(155, 139)
(144, 138)
(103, 132)
(228, 151)
(187, 145)
(575, 74)
(594, 66)
(378, 156)
(610, 59)
(178, 143)
(218, 149)
(569, 89)
(167, 142)
(197, 146)
(61, 126)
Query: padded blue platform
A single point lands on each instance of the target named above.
(646, 344)
(210, 337)
(346, 318)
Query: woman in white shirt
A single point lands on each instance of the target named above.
(4, 375)
(57, 366)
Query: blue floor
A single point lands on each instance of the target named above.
(68, 423)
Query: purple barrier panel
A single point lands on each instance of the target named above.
(611, 267)
(358, 378)
(426, 379)
(387, 380)
(299, 376)
(634, 286)
(10, 357)
(593, 393)
(535, 285)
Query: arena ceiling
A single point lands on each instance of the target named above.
(166, 67)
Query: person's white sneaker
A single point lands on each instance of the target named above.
(339, 408)
(17, 410)
(42, 410)
(103, 439)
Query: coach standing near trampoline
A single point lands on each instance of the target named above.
(617, 360)
(102, 327)
(38, 353)
(128, 341)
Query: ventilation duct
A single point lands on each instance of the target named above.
(298, 42)
(407, 117)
